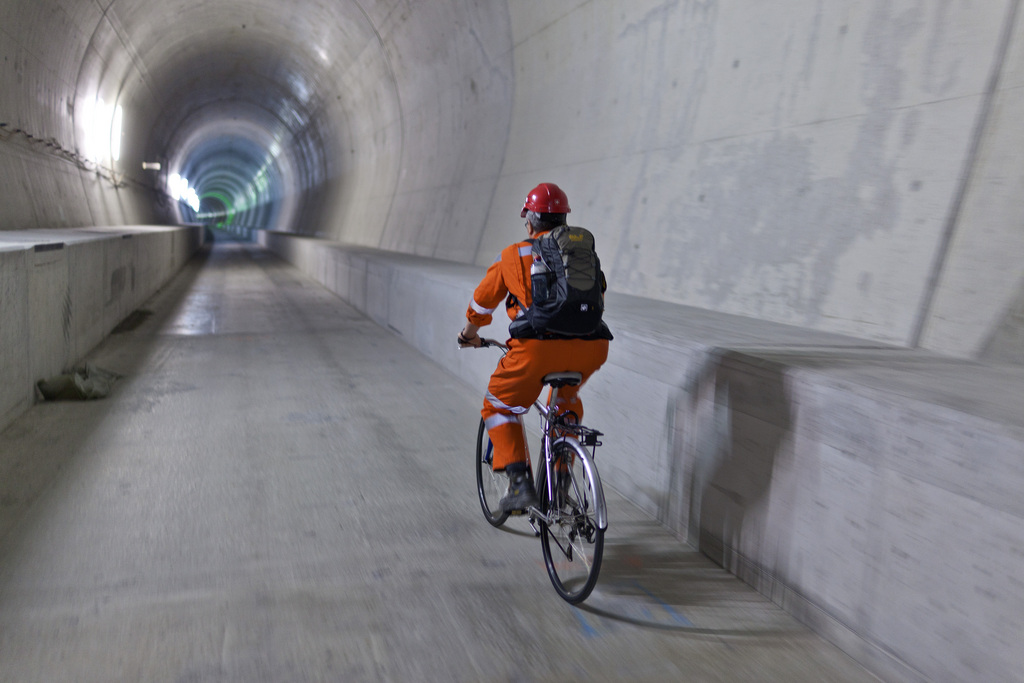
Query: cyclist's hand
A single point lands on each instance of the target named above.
(475, 341)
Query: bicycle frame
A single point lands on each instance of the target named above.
(549, 422)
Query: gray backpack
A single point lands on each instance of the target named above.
(567, 286)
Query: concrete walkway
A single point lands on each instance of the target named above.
(281, 490)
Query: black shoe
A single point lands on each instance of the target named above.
(520, 495)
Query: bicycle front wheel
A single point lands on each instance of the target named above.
(573, 536)
(490, 485)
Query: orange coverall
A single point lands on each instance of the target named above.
(516, 383)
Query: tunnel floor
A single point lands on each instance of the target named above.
(280, 490)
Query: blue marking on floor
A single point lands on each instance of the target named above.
(679, 618)
(588, 630)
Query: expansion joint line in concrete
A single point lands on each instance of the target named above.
(401, 118)
(970, 161)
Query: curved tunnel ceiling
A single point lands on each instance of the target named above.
(381, 123)
(416, 126)
(236, 101)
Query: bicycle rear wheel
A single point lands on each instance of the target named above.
(573, 537)
(490, 485)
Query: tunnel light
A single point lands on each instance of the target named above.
(181, 192)
(176, 185)
(92, 122)
(300, 88)
(191, 197)
(88, 124)
(115, 133)
(150, 165)
(102, 126)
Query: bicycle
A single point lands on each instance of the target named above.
(571, 516)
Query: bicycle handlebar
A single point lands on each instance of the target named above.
(484, 343)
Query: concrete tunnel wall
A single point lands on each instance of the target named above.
(843, 166)
(64, 291)
(847, 168)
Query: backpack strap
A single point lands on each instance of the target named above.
(512, 300)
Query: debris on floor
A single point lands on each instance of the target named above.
(80, 384)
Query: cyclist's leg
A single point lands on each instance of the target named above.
(505, 431)
(516, 384)
(513, 388)
(583, 356)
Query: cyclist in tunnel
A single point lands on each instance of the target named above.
(580, 343)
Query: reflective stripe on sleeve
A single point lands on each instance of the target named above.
(480, 309)
(526, 250)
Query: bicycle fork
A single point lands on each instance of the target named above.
(547, 449)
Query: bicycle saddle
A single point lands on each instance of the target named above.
(563, 379)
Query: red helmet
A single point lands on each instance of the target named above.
(546, 198)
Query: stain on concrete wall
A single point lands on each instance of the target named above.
(799, 163)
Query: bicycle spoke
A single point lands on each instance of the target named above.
(490, 485)
(573, 543)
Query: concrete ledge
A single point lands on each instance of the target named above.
(63, 291)
(872, 491)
